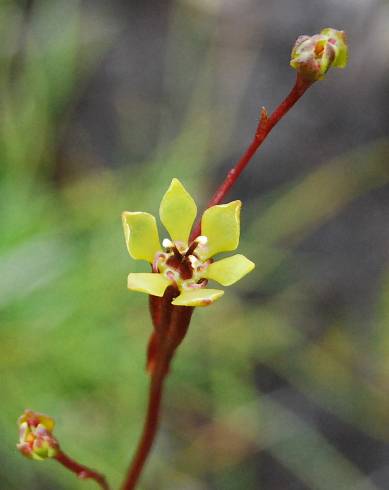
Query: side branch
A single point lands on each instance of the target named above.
(265, 125)
(83, 472)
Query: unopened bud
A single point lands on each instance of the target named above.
(312, 56)
(36, 440)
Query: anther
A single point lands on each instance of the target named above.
(166, 243)
(193, 260)
(202, 240)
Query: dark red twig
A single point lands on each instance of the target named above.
(149, 430)
(83, 472)
(265, 125)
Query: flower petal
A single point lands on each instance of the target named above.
(147, 282)
(339, 41)
(141, 233)
(178, 211)
(198, 297)
(221, 225)
(228, 271)
(39, 418)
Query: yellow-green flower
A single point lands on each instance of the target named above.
(187, 266)
(312, 56)
(35, 436)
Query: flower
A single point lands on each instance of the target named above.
(185, 265)
(312, 56)
(35, 436)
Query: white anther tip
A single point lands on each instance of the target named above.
(166, 243)
(193, 260)
(202, 240)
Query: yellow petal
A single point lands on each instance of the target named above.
(221, 225)
(177, 211)
(340, 46)
(154, 284)
(228, 271)
(47, 422)
(141, 233)
(198, 297)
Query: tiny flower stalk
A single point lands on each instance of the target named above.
(37, 442)
(311, 57)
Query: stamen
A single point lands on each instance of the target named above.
(158, 257)
(198, 285)
(170, 275)
(204, 266)
(193, 260)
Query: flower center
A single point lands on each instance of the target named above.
(182, 264)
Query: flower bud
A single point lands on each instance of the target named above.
(35, 436)
(312, 56)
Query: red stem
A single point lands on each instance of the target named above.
(175, 331)
(265, 125)
(150, 427)
(82, 471)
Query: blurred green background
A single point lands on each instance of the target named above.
(283, 384)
